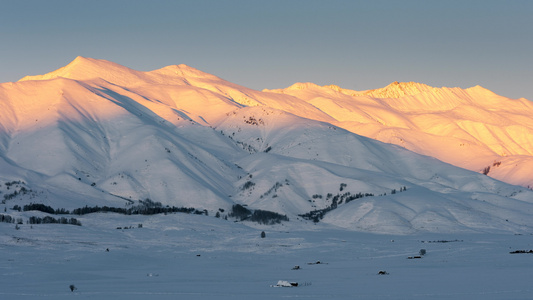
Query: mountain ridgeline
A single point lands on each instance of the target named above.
(95, 134)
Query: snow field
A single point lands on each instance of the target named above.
(197, 257)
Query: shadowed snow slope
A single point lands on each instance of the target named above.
(97, 133)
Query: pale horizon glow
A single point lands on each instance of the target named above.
(356, 45)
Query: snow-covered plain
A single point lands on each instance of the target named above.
(197, 257)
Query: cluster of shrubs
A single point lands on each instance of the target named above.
(149, 207)
(254, 121)
(318, 214)
(50, 220)
(247, 185)
(245, 146)
(139, 210)
(145, 207)
(38, 220)
(402, 189)
(9, 219)
(267, 217)
(274, 188)
(442, 241)
(14, 182)
(21, 191)
(521, 251)
(43, 208)
(260, 216)
(486, 170)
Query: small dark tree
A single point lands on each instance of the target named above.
(343, 185)
(486, 170)
(263, 234)
(247, 185)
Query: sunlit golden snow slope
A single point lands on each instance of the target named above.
(471, 128)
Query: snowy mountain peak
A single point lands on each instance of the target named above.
(309, 86)
(302, 86)
(393, 90)
(80, 60)
(399, 89)
(67, 71)
(183, 70)
(82, 68)
(334, 87)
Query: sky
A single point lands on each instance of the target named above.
(271, 44)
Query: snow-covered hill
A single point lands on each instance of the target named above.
(97, 133)
(471, 128)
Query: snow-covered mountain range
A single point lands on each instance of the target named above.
(98, 133)
(471, 128)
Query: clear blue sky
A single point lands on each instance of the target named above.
(272, 44)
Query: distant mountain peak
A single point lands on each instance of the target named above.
(312, 86)
(394, 90)
(82, 68)
(183, 70)
(399, 89)
(81, 60)
(302, 86)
